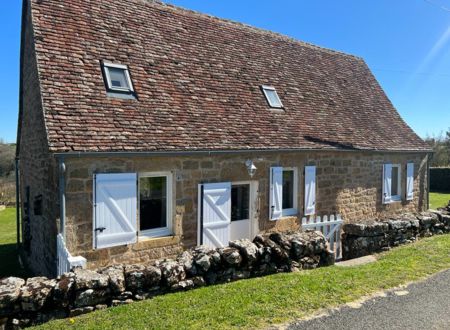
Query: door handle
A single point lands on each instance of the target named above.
(100, 229)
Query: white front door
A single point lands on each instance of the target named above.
(241, 211)
(226, 212)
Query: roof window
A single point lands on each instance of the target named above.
(272, 97)
(117, 78)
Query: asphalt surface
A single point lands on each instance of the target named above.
(423, 305)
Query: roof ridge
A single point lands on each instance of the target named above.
(251, 27)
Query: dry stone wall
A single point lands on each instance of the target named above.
(39, 299)
(363, 239)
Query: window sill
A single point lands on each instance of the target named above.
(286, 217)
(121, 95)
(155, 233)
(146, 242)
(289, 213)
(277, 110)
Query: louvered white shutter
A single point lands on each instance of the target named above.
(115, 203)
(387, 183)
(276, 193)
(310, 190)
(216, 214)
(409, 181)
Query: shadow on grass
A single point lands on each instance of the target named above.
(9, 262)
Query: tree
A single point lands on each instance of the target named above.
(441, 149)
(7, 155)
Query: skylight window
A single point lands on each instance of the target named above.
(272, 97)
(117, 78)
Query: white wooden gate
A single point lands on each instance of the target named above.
(330, 227)
(65, 260)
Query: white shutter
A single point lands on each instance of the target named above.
(387, 183)
(115, 203)
(216, 217)
(276, 193)
(409, 181)
(310, 190)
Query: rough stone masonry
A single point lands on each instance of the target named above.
(39, 299)
(382, 234)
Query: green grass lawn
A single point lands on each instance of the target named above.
(9, 265)
(8, 226)
(260, 302)
(439, 199)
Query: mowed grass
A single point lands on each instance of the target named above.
(260, 302)
(439, 199)
(8, 226)
(9, 261)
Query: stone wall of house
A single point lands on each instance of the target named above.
(39, 299)
(37, 169)
(348, 183)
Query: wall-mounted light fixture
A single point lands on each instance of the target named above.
(251, 168)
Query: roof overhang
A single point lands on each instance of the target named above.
(79, 154)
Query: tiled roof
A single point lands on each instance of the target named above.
(198, 82)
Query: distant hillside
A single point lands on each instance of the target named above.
(7, 183)
(7, 155)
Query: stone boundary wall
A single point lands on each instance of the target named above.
(363, 239)
(39, 299)
(440, 179)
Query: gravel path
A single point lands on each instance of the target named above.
(423, 305)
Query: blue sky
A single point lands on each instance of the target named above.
(406, 43)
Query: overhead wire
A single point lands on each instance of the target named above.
(413, 73)
(438, 5)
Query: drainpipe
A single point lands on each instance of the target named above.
(17, 203)
(429, 157)
(62, 198)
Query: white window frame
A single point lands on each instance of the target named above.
(266, 88)
(106, 66)
(163, 231)
(398, 197)
(294, 209)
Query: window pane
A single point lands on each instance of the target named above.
(288, 189)
(118, 77)
(240, 196)
(153, 202)
(395, 178)
(273, 98)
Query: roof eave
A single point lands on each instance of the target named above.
(79, 154)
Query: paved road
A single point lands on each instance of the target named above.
(424, 305)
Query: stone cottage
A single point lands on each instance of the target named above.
(145, 129)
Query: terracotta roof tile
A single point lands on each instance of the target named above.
(198, 83)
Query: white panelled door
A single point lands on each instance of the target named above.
(387, 183)
(409, 181)
(310, 190)
(115, 203)
(276, 193)
(216, 214)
